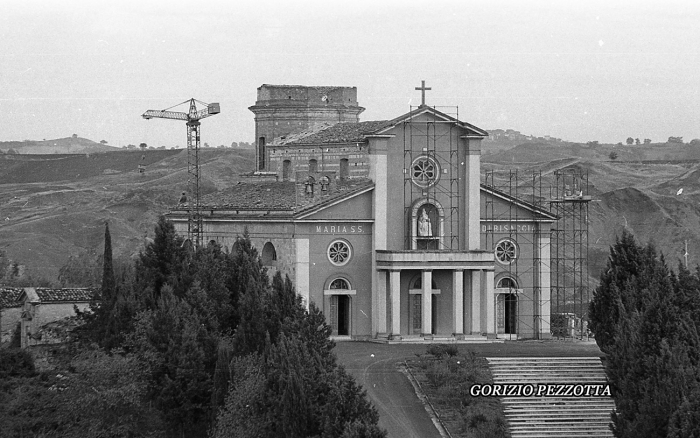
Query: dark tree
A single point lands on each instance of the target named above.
(108, 268)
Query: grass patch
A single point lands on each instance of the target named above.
(446, 374)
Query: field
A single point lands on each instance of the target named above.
(55, 206)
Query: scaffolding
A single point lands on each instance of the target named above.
(562, 193)
(568, 199)
(432, 139)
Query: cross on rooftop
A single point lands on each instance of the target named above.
(422, 89)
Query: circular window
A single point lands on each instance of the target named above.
(425, 171)
(339, 252)
(506, 251)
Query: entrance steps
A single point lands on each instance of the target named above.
(554, 416)
(383, 338)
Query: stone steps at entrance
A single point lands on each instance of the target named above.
(384, 338)
(554, 416)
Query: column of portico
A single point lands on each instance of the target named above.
(458, 302)
(475, 278)
(380, 304)
(490, 328)
(395, 291)
(427, 297)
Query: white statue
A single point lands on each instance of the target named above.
(425, 229)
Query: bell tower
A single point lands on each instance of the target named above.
(281, 110)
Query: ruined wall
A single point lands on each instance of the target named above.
(328, 159)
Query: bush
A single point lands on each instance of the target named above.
(439, 350)
(16, 363)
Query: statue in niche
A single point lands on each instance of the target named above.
(425, 229)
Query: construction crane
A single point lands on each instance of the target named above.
(192, 118)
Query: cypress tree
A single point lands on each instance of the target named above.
(108, 268)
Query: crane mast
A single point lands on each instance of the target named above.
(192, 118)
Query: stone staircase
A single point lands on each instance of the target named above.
(554, 416)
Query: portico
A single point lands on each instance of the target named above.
(429, 293)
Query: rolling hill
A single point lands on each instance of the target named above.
(68, 145)
(55, 206)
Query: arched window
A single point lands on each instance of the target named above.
(339, 284)
(506, 283)
(313, 165)
(344, 168)
(269, 255)
(286, 170)
(418, 283)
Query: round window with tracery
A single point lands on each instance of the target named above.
(339, 252)
(425, 171)
(506, 251)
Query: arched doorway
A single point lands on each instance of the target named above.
(340, 307)
(507, 306)
(415, 311)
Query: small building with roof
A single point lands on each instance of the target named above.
(380, 224)
(42, 306)
(10, 312)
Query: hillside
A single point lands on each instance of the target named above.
(68, 145)
(641, 194)
(52, 207)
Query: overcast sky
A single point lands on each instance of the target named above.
(578, 70)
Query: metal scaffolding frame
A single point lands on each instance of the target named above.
(563, 193)
(421, 138)
(568, 199)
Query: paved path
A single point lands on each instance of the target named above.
(400, 411)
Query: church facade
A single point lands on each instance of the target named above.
(380, 223)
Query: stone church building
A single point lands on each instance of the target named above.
(380, 223)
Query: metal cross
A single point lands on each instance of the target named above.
(423, 89)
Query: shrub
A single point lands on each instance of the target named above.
(16, 363)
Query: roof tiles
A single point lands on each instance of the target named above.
(9, 297)
(276, 196)
(346, 132)
(65, 294)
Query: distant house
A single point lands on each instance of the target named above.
(10, 311)
(42, 306)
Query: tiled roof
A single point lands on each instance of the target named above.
(343, 188)
(65, 294)
(346, 132)
(9, 297)
(276, 196)
(256, 195)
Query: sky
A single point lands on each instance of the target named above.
(576, 70)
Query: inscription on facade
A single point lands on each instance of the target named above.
(508, 228)
(339, 229)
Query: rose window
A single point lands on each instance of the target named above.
(339, 252)
(425, 171)
(506, 251)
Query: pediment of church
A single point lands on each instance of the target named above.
(497, 205)
(354, 206)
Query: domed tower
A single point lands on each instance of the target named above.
(286, 109)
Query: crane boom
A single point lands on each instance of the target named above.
(193, 115)
(192, 118)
